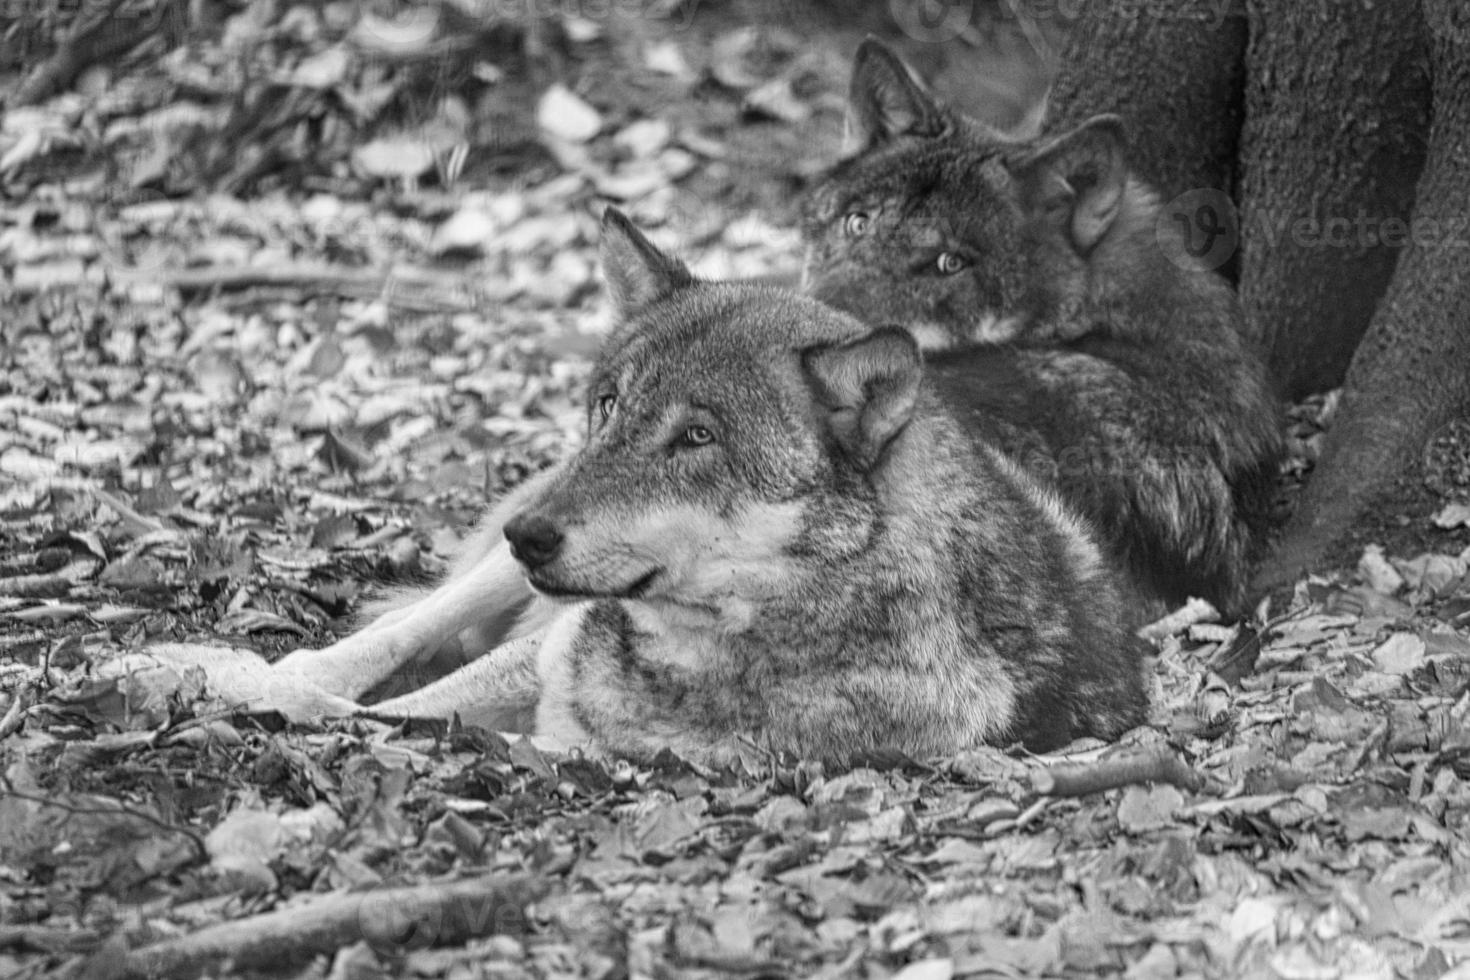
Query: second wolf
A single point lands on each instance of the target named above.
(1067, 314)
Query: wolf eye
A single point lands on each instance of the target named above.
(949, 263)
(697, 435)
(606, 404)
(855, 225)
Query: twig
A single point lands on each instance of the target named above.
(51, 585)
(1008, 824)
(448, 288)
(404, 287)
(135, 522)
(443, 913)
(418, 303)
(48, 938)
(1157, 764)
(1193, 611)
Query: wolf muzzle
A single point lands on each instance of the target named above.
(535, 540)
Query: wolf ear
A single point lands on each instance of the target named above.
(1080, 177)
(885, 100)
(870, 386)
(637, 273)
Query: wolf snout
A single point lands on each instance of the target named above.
(535, 540)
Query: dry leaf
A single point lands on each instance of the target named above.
(564, 115)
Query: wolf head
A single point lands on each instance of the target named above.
(730, 432)
(960, 233)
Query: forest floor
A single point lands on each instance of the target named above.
(293, 290)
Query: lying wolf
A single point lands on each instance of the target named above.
(778, 533)
(1069, 312)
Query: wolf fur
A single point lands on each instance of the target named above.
(1040, 272)
(779, 532)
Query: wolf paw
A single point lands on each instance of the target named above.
(236, 676)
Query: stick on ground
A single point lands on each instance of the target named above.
(1193, 611)
(1158, 764)
(388, 918)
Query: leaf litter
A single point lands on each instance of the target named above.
(240, 390)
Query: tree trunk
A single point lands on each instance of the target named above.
(1336, 107)
(1176, 79)
(1411, 374)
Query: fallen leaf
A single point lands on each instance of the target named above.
(781, 813)
(934, 969)
(323, 70)
(666, 58)
(667, 824)
(241, 847)
(1153, 808)
(643, 138)
(778, 100)
(1377, 823)
(958, 851)
(334, 531)
(581, 30)
(1087, 939)
(565, 115)
(1453, 516)
(1251, 918)
(1375, 570)
(1401, 653)
(467, 230)
(744, 57)
(1432, 574)
(394, 158)
(219, 375)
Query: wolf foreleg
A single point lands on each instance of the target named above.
(485, 598)
(498, 691)
(491, 590)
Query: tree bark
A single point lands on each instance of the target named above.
(1174, 72)
(1411, 373)
(1336, 107)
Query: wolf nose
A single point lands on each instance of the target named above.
(534, 540)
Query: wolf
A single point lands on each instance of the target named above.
(779, 534)
(1038, 272)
